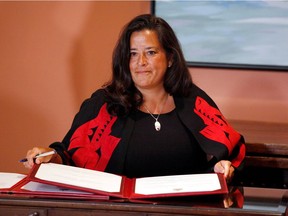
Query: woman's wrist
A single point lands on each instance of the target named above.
(56, 158)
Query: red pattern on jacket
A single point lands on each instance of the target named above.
(91, 141)
(218, 129)
(94, 143)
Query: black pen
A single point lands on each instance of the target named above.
(40, 155)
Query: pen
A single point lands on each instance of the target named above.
(40, 155)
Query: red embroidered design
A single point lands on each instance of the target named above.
(217, 128)
(240, 157)
(93, 142)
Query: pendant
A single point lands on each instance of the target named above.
(157, 125)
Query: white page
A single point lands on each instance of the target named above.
(177, 184)
(40, 187)
(79, 177)
(7, 180)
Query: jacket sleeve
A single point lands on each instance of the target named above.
(210, 128)
(88, 110)
(216, 129)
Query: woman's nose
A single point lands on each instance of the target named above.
(142, 60)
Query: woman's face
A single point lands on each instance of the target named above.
(148, 60)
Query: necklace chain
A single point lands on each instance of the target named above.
(156, 118)
(157, 123)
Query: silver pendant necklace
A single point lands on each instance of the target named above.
(157, 123)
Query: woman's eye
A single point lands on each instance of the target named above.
(133, 54)
(151, 52)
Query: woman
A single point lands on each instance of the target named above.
(151, 119)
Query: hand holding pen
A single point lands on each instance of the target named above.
(39, 155)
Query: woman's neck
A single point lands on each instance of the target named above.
(158, 103)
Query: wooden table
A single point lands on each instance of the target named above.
(266, 153)
(257, 201)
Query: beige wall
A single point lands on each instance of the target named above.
(52, 56)
(55, 54)
(247, 95)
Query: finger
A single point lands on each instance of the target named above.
(226, 165)
(27, 165)
(30, 156)
(44, 159)
(231, 173)
(223, 167)
(218, 168)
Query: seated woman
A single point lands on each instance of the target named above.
(150, 119)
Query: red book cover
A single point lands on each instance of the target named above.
(116, 186)
(21, 185)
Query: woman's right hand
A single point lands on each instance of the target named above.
(31, 154)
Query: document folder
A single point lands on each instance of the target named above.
(116, 186)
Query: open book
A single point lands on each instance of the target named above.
(97, 183)
(20, 184)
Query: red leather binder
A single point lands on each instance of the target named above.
(9, 180)
(44, 191)
(123, 187)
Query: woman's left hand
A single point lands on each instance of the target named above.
(225, 167)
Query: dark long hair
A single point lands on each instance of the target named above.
(122, 95)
